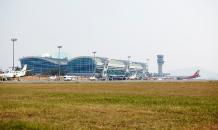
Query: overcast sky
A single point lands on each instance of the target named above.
(184, 31)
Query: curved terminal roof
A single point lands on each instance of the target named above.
(53, 57)
(52, 60)
(113, 62)
(63, 55)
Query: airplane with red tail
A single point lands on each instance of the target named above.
(196, 75)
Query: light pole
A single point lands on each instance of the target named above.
(94, 53)
(13, 39)
(59, 61)
(94, 61)
(147, 64)
(128, 65)
(129, 58)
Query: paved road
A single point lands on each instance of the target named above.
(119, 81)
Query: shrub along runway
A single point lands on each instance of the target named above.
(123, 105)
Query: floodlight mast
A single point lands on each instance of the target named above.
(13, 39)
(128, 64)
(94, 61)
(129, 58)
(94, 53)
(59, 61)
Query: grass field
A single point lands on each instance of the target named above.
(146, 105)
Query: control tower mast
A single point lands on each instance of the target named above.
(160, 62)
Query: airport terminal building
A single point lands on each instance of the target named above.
(84, 65)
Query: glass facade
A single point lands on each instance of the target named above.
(39, 65)
(81, 65)
(86, 66)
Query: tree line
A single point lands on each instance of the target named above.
(54, 71)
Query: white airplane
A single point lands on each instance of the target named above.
(133, 76)
(159, 78)
(92, 78)
(14, 74)
(52, 77)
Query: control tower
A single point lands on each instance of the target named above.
(160, 62)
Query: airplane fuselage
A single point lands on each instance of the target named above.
(11, 74)
(14, 74)
(196, 75)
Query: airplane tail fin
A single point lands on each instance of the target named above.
(24, 67)
(195, 75)
(23, 71)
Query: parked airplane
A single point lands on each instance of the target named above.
(183, 77)
(93, 78)
(52, 77)
(188, 77)
(178, 77)
(14, 74)
(133, 76)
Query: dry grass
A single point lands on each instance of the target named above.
(167, 105)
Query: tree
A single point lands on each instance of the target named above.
(29, 73)
(49, 72)
(17, 68)
(63, 72)
(55, 71)
(45, 72)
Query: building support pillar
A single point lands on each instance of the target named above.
(105, 68)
